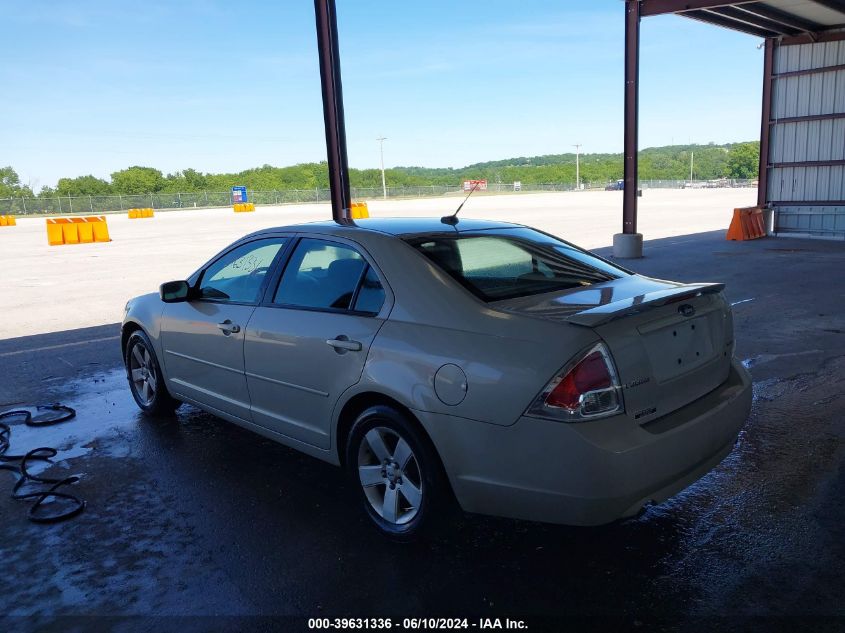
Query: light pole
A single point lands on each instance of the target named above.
(577, 147)
(381, 140)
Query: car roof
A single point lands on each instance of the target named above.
(401, 227)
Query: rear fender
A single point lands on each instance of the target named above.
(425, 367)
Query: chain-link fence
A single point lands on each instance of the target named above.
(87, 205)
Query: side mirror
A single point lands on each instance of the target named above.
(174, 291)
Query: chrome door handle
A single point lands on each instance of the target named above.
(227, 327)
(343, 344)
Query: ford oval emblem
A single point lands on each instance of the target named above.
(687, 310)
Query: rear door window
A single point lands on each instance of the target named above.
(326, 275)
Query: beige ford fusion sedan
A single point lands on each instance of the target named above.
(483, 362)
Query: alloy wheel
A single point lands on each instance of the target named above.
(390, 475)
(142, 373)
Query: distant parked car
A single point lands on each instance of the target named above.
(482, 361)
(619, 185)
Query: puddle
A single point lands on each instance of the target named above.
(104, 408)
(760, 359)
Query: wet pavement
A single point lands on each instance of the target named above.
(191, 516)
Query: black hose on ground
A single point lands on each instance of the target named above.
(7, 462)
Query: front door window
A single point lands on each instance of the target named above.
(237, 277)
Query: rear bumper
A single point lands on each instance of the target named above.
(590, 473)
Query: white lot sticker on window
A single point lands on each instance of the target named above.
(493, 257)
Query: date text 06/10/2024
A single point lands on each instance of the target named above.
(415, 624)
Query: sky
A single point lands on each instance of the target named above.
(91, 87)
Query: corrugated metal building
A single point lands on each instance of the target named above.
(807, 139)
(802, 132)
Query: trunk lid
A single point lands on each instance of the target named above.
(671, 342)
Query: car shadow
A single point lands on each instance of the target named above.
(33, 366)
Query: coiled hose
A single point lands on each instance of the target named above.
(18, 465)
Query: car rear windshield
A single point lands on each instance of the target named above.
(506, 263)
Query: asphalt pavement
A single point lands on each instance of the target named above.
(195, 524)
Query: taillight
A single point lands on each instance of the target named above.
(586, 388)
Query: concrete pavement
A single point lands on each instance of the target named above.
(192, 516)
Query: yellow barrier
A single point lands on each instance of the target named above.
(70, 233)
(7, 220)
(359, 210)
(244, 207)
(84, 230)
(101, 229)
(77, 230)
(147, 212)
(54, 232)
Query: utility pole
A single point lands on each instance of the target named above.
(691, 163)
(381, 140)
(577, 147)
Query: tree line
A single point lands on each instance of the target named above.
(709, 162)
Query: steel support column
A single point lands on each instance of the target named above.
(765, 117)
(629, 243)
(327, 43)
(632, 72)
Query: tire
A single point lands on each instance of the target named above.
(143, 374)
(397, 474)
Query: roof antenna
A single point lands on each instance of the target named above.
(452, 220)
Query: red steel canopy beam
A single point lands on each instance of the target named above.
(776, 15)
(757, 21)
(711, 17)
(632, 72)
(662, 7)
(327, 43)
